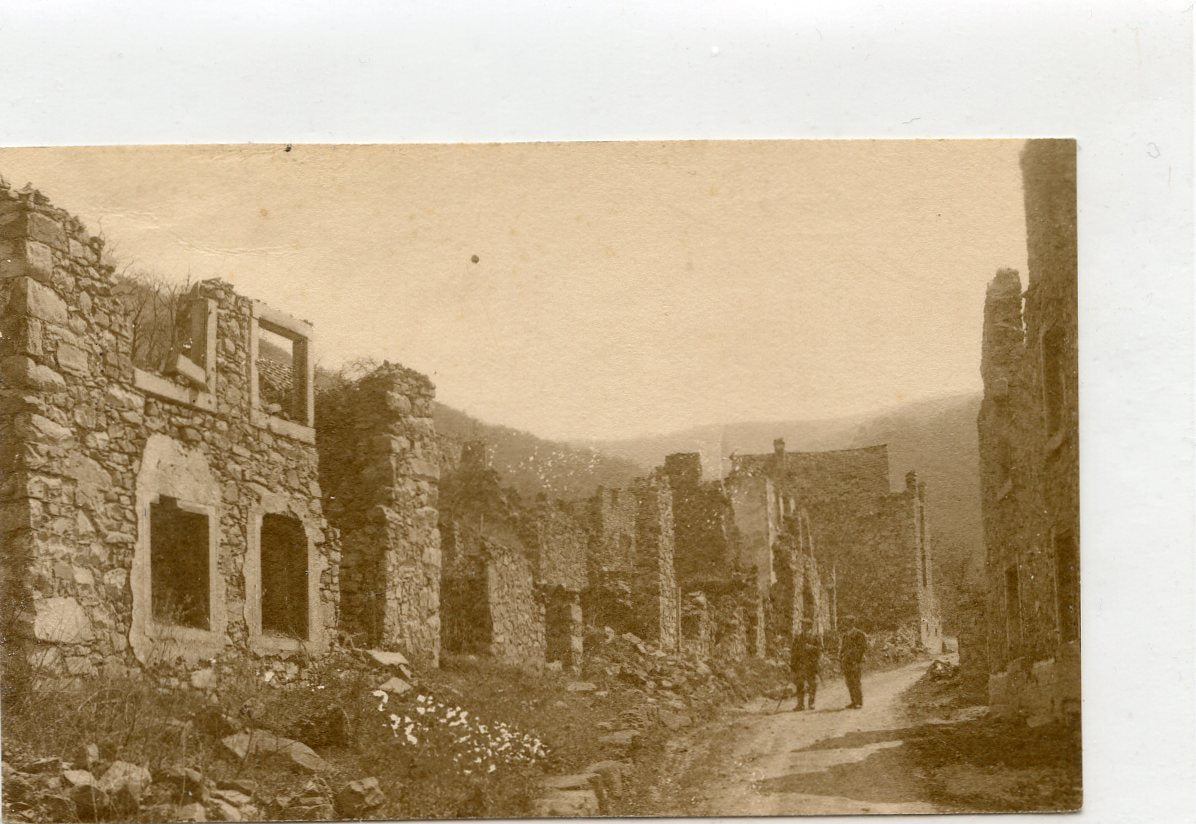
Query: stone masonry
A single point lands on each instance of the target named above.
(870, 544)
(379, 472)
(147, 517)
(1029, 455)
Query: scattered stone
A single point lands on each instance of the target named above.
(91, 802)
(268, 745)
(220, 810)
(45, 765)
(357, 798)
(242, 785)
(581, 686)
(78, 778)
(674, 720)
(203, 679)
(311, 804)
(189, 812)
(611, 773)
(566, 804)
(390, 660)
(124, 784)
(184, 783)
(396, 686)
(89, 757)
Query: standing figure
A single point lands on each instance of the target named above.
(803, 661)
(852, 646)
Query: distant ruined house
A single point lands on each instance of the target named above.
(869, 545)
(707, 561)
(1029, 457)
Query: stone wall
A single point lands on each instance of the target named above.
(92, 451)
(696, 627)
(379, 472)
(654, 587)
(491, 601)
(1029, 446)
(706, 537)
(870, 545)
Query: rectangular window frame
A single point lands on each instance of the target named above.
(300, 333)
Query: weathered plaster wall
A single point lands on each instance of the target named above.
(86, 441)
(379, 472)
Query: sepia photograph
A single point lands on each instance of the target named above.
(537, 480)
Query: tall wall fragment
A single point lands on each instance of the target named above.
(1029, 454)
(379, 472)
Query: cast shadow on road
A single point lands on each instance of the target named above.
(882, 777)
(982, 765)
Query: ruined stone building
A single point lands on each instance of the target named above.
(1029, 454)
(513, 575)
(728, 616)
(776, 543)
(870, 551)
(159, 514)
(379, 472)
(630, 558)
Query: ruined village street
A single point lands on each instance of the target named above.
(761, 760)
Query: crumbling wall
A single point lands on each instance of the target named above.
(704, 524)
(1028, 428)
(610, 519)
(485, 557)
(654, 587)
(871, 546)
(559, 544)
(696, 628)
(90, 447)
(379, 472)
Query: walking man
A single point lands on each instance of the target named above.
(803, 661)
(852, 646)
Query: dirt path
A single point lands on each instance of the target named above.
(764, 761)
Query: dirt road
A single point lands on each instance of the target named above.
(765, 761)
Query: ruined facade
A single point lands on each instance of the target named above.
(149, 516)
(868, 545)
(1029, 454)
(514, 574)
(379, 473)
(709, 559)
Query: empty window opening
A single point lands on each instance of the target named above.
(284, 577)
(1013, 610)
(276, 371)
(179, 583)
(1067, 585)
(1054, 377)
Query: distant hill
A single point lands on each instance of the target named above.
(936, 437)
(533, 465)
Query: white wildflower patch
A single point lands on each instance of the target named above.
(434, 729)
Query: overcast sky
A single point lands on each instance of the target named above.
(620, 288)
